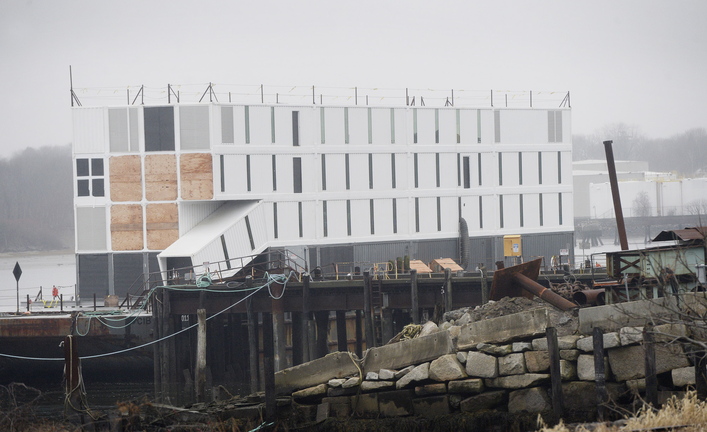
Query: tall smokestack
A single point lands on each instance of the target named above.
(615, 194)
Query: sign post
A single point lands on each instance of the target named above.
(17, 271)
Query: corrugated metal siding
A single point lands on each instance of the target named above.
(547, 245)
(380, 252)
(127, 273)
(431, 249)
(93, 275)
(191, 214)
(336, 254)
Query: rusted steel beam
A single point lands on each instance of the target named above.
(618, 211)
(544, 293)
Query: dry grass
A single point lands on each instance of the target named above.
(689, 414)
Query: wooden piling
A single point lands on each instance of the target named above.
(278, 313)
(555, 375)
(414, 300)
(252, 345)
(651, 376)
(306, 321)
(368, 310)
(297, 347)
(700, 362)
(359, 335)
(341, 338)
(200, 370)
(269, 367)
(322, 320)
(600, 373)
(448, 290)
(484, 286)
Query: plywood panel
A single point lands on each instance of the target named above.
(162, 224)
(160, 177)
(125, 178)
(197, 176)
(126, 227)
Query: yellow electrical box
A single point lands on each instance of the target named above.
(512, 246)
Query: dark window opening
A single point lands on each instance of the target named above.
(297, 174)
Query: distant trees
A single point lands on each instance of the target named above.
(36, 192)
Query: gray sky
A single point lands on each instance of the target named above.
(640, 62)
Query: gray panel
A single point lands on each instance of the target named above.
(93, 276)
(227, 125)
(380, 252)
(194, 128)
(118, 129)
(91, 234)
(432, 249)
(133, 113)
(128, 273)
(335, 254)
(482, 252)
(159, 129)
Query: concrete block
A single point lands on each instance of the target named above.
(431, 389)
(537, 361)
(395, 403)
(630, 335)
(466, 386)
(310, 393)
(447, 368)
(532, 400)
(585, 368)
(502, 329)
(683, 376)
(485, 400)
(431, 406)
(386, 374)
(517, 381)
(419, 373)
(495, 350)
(521, 346)
(315, 372)
(613, 317)
(365, 405)
(368, 386)
(512, 364)
(569, 354)
(481, 365)
(408, 352)
(628, 362)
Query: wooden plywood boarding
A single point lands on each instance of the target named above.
(161, 177)
(126, 227)
(162, 224)
(125, 178)
(197, 176)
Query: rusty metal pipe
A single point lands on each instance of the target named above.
(544, 293)
(618, 211)
(588, 297)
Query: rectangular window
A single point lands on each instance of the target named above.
(467, 173)
(478, 126)
(540, 205)
(437, 173)
(159, 128)
(372, 217)
(346, 171)
(559, 168)
(370, 171)
(417, 214)
(392, 170)
(554, 126)
(274, 216)
(520, 203)
(323, 172)
(295, 128)
(459, 129)
(82, 169)
(395, 216)
(324, 219)
(96, 167)
(225, 251)
(370, 127)
(247, 124)
(274, 173)
(82, 188)
(481, 213)
(559, 206)
(500, 169)
(439, 214)
(346, 125)
(322, 128)
(348, 217)
(93, 182)
(500, 209)
(540, 168)
(247, 171)
(436, 126)
(459, 169)
(299, 211)
(392, 126)
(520, 168)
(414, 126)
(223, 175)
(227, 125)
(297, 174)
(415, 169)
(479, 167)
(250, 233)
(97, 187)
(272, 124)
(497, 126)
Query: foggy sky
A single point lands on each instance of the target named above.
(640, 62)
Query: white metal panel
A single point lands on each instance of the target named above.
(310, 220)
(335, 172)
(489, 169)
(551, 210)
(336, 219)
(382, 171)
(549, 168)
(380, 118)
(360, 218)
(531, 210)
(530, 169)
(509, 163)
(487, 126)
(566, 166)
(288, 220)
(238, 124)
(449, 212)
(235, 174)
(194, 127)
(89, 130)
(403, 165)
(192, 213)
(447, 126)
(358, 169)
(425, 125)
(566, 126)
(448, 170)
(334, 126)
(283, 125)
(405, 215)
(468, 131)
(237, 241)
(311, 172)
(383, 216)
(358, 125)
(523, 126)
(93, 224)
(309, 126)
(403, 125)
(426, 171)
(568, 210)
(428, 214)
(470, 212)
(284, 163)
(511, 211)
(489, 212)
(261, 173)
(213, 252)
(260, 125)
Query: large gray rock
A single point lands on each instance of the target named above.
(419, 373)
(503, 329)
(321, 370)
(485, 400)
(611, 340)
(408, 352)
(585, 367)
(431, 389)
(446, 368)
(512, 364)
(368, 386)
(481, 365)
(428, 328)
(568, 370)
(461, 356)
(351, 382)
(683, 376)
(569, 354)
(467, 386)
(372, 376)
(537, 361)
(495, 350)
(319, 390)
(521, 346)
(517, 381)
(630, 335)
(532, 400)
(386, 374)
(404, 371)
(628, 363)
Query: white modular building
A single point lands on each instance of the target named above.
(171, 186)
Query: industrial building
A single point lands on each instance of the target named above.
(180, 185)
